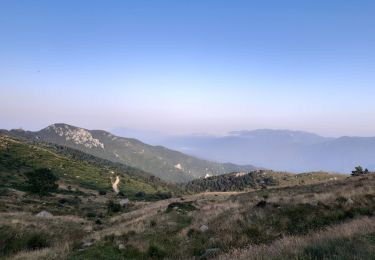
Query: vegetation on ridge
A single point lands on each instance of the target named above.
(74, 168)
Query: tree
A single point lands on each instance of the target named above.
(41, 181)
(359, 171)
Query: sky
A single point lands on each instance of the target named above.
(189, 66)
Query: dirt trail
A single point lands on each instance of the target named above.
(115, 184)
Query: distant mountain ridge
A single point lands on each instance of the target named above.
(167, 164)
(282, 150)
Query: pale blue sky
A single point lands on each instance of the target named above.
(189, 66)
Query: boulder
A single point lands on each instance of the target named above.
(124, 202)
(121, 246)
(87, 244)
(44, 214)
(203, 228)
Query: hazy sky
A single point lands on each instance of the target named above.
(189, 66)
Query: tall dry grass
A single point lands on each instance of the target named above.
(291, 246)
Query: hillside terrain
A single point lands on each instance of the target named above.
(74, 168)
(325, 220)
(259, 214)
(167, 164)
(283, 150)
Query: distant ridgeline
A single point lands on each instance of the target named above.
(236, 181)
(168, 165)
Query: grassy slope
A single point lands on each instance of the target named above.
(314, 221)
(18, 156)
(326, 218)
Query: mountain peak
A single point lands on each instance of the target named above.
(74, 134)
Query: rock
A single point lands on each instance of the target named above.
(121, 246)
(44, 214)
(88, 228)
(211, 252)
(203, 228)
(350, 201)
(124, 202)
(87, 244)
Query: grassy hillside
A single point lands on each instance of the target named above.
(167, 164)
(74, 168)
(306, 216)
(327, 218)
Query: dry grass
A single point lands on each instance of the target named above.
(292, 246)
(59, 233)
(228, 216)
(59, 252)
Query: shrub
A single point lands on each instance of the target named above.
(102, 192)
(156, 252)
(163, 195)
(63, 200)
(91, 214)
(184, 206)
(359, 171)
(41, 181)
(121, 194)
(140, 194)
(113, 206)
(13, 241)
(37, 241)
(341, 200)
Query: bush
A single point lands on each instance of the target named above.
(163, 195)
(156, 252)
(91, 214)
(37, 241)
(183, 206)
(63, 200)
(114, 207)
(140, 194)
(359, 171)
(12, 241)
(102, 192)
(41, 181)
(121, 194)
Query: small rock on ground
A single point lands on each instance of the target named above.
(44, 214)
(203, 228)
